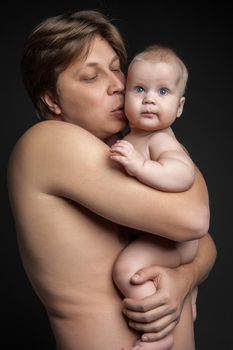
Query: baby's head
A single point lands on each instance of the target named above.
(155, 88)
(156, 54)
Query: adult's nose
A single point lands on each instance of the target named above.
(116, 83)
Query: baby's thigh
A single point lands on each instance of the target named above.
(187, 251)
(146, 251)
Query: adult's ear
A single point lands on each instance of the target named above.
(181, 106)
(49, 99)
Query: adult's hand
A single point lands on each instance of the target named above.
(159, 313)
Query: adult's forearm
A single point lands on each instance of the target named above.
(198, 270)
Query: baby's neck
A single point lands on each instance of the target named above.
(140, 132)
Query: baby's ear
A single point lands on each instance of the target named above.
(50, 101)
(181, 106)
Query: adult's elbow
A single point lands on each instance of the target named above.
(199, 223)
(195, 224)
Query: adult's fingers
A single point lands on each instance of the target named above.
(149, 303)
(151, 337)
(146, 274)
(148, 316)
(156, 326)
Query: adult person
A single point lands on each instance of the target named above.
(69, 200)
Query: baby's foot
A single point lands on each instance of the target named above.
(163, 344)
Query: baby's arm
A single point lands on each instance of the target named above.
(168, 169)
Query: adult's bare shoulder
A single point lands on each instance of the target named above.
(48, 132)
(41, 154)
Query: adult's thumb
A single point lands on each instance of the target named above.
(146, 274)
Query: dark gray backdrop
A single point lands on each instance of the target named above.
(202, 34)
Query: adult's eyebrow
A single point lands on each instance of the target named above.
(115, 58)
(95, 64)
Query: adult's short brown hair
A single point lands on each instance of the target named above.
(55, 43)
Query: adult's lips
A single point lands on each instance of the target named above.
(118, 112)
(119, 108)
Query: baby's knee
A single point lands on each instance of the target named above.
(123, 270)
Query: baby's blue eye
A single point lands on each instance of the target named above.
(139, 89)
(163, 91)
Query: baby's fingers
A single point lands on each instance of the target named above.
(120, 159)
(124, 150)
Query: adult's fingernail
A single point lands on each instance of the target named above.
(144, 338)
(136, 277)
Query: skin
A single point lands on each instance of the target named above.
(156, 87)
(151, 153)
(68, 219)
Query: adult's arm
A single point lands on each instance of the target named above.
(76, 165)
(159, 313)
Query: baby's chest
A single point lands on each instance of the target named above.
(141, 146)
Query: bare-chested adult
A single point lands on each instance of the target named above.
(70, 200)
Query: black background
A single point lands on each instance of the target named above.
(201, 33)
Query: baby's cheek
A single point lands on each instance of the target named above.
(131, 108)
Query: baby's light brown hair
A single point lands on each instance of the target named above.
(159, 53)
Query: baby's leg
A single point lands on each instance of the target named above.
(141, 253)
(187, 251)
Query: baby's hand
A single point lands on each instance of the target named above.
(126, 155)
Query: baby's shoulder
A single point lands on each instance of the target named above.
(163, 135)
